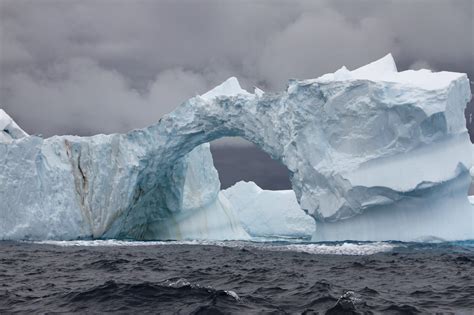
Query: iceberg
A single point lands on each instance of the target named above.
(269, 214)
(372, 154)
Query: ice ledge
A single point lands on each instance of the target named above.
(442, 213)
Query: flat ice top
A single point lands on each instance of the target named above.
(382, 70)
(385, 70)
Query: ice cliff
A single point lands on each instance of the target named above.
(373, 154)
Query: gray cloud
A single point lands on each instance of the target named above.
(109, 66)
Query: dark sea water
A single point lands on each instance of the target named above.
(236, 278)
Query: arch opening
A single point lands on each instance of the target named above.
(258, 191)
(237, 159)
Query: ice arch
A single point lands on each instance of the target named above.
(335, 138)
(355, 142)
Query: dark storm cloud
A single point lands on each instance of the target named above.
(107, 66)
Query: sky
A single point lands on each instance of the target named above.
(103, 66)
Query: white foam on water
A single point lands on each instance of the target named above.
(233, 294)
(310, 248)
(105, 243)
(339, 249)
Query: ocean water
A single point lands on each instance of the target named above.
(280, 277)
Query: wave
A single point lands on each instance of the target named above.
(235, 277)
(177, 294)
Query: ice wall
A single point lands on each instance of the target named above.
(72, 187)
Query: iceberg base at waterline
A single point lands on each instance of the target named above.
(268, 213)
(441, 213)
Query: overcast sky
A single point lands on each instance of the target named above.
(84, 67)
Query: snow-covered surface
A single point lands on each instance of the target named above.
(267, 213)
(385, 70)
(373, 154)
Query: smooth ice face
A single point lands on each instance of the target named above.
(229, 87)
(267, 213)
(433, 213)
(356, 143)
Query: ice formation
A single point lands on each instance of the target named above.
(373, 154)
(268, 213)
(9, 130)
